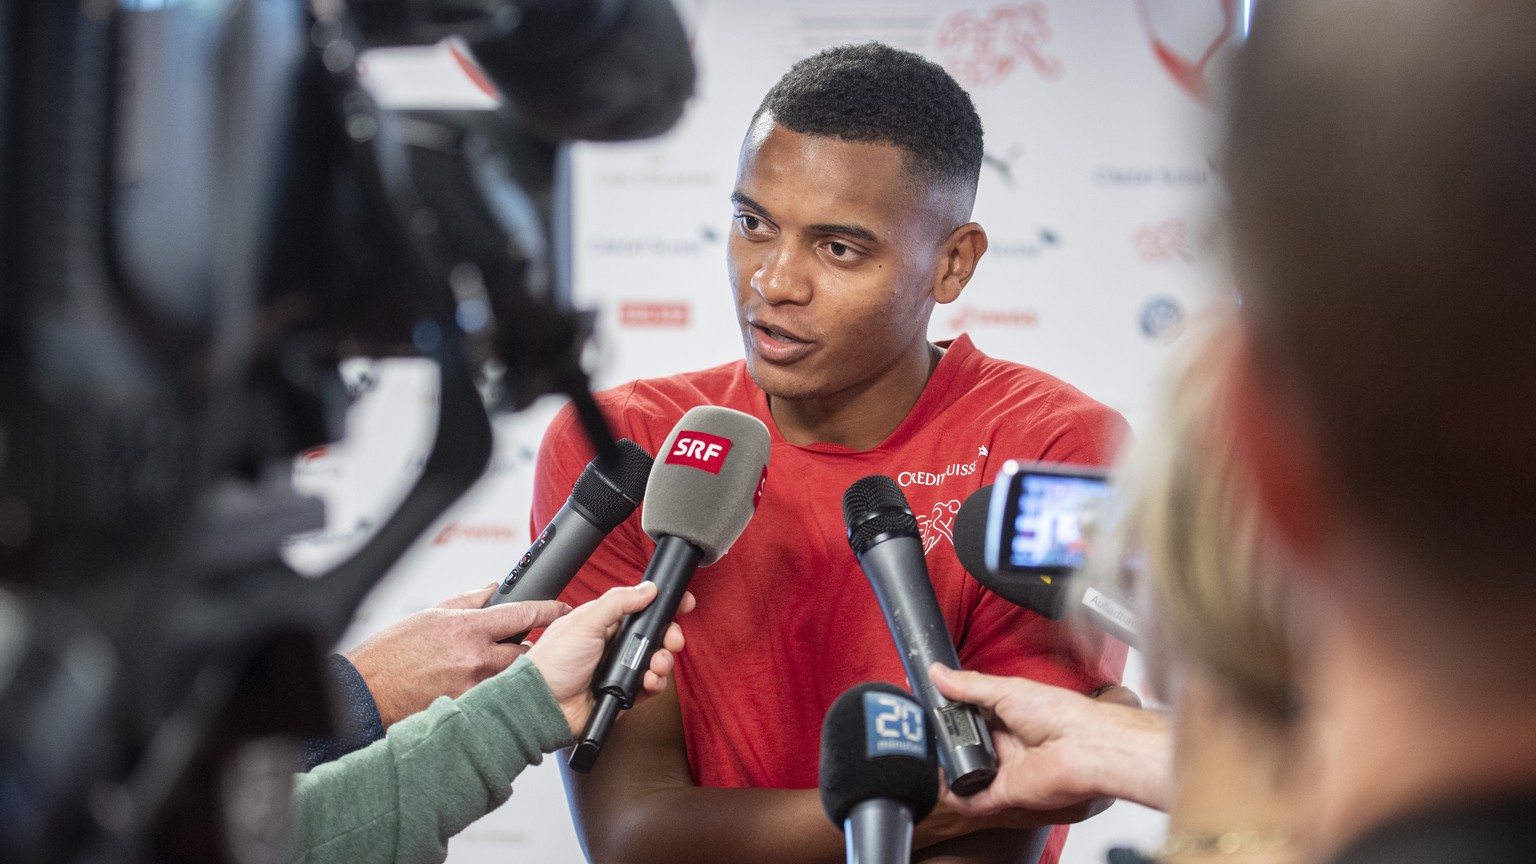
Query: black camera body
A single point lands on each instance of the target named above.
(203, 211)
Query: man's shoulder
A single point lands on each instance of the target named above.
(672, 395)
(1031, 413)
(1020, 387)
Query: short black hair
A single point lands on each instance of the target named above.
(873, 92)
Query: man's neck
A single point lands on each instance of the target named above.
(857, 419)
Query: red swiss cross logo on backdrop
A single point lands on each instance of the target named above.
(983, 49)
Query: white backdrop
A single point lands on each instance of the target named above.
(1097, 195)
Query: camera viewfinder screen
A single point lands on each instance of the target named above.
(1050, 517)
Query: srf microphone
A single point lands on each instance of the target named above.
(883, 534)
(879, 775)
(703, 489)
(601, 500)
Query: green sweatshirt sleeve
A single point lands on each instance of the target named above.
(400, 799)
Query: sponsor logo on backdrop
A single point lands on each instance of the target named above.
(485, 532)
(658, 314)
(657, 246)
(977, 317)
(1002, 164)
(1045, 240)
(334, 537)
(1164, 241)
(655, 179)
(1146, 176)
(503, 461)
(1162, 318)
(982, 49)
(1188, 37)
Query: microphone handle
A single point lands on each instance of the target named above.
(878, 831)
(912, 614)
(551, 562)
(622, 672)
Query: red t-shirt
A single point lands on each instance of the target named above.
(787, 620)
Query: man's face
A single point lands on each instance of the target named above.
(833, 254)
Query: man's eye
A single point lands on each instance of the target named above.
(838, 250)
(749, 222)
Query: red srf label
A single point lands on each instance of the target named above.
(761, 483)
(699, 450)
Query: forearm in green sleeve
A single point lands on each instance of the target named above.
(401, 798)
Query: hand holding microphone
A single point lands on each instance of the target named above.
(883, 534)
(602, 498)
(702, 491)
(568, 653)
(879, 775)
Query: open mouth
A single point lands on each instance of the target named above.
(778, 335)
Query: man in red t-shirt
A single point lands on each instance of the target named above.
(852, 208)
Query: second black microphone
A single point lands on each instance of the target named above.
(883, 534)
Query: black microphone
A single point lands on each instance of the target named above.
(879, 776)
(601, 500)
(703, 489)
(1055, 596)
(592, 70)
(883, 534)
(1038, 593)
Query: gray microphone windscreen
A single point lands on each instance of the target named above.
(707, 479)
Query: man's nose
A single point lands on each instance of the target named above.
(782, 276)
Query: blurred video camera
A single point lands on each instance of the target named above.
(203, 211)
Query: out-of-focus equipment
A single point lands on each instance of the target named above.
(705, 486)
(879, 775)
(203, 211)
(1028, 534)
(884, 537)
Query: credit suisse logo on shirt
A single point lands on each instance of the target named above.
(699, 450)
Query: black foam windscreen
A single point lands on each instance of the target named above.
(708, 477)
(610, 493)
(594, 70)
(971, 532)
(876, 744)
(874, 507)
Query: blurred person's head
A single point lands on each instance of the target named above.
(1383, 389)
(1383, 209)
(1190, 543)
(1187, 539)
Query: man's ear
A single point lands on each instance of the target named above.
(957, 261)
(1277, 439)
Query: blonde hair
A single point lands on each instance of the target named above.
(1189, 542)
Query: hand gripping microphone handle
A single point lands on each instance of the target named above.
(601, 499)
(619, 678)
(883, 533)
(703, 489)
